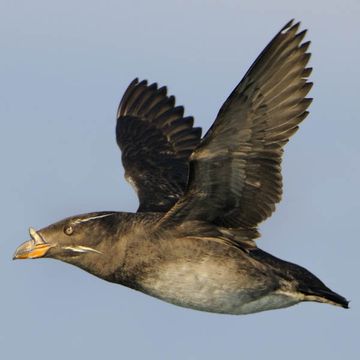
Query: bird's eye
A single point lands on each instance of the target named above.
(68, 230)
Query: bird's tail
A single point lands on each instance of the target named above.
(323, 295)
(307, 285)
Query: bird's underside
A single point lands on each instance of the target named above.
(192, 240)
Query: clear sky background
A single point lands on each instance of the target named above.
(63, 68)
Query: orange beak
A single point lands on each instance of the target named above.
(32, 249)
(29, 250)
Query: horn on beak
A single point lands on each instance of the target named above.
(36, 236)
(34, 248)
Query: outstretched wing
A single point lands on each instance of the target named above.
(235, 175)
(156, 141)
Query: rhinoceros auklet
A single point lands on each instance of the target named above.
(192, 240)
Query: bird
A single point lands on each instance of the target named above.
(192, 241)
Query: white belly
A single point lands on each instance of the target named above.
(208, 287)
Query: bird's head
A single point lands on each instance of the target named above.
(77, 240)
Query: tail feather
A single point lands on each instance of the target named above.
(305, 283)
(324, 296)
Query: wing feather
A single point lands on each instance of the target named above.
(156, 141)
(235, 174)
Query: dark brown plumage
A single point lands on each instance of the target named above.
(156, 141)
(192, 241)
(236, 168)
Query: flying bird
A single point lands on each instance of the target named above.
(192, 241)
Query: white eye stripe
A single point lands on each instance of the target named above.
(78, 221)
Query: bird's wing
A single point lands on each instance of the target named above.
(235, 174)
(156, 141)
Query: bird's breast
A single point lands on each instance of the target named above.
(213, 287)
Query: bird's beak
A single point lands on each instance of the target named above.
(34, 248)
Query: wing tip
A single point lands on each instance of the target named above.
(290, 27)
(133, 84)
(287, 25)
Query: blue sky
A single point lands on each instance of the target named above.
(64, 67)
